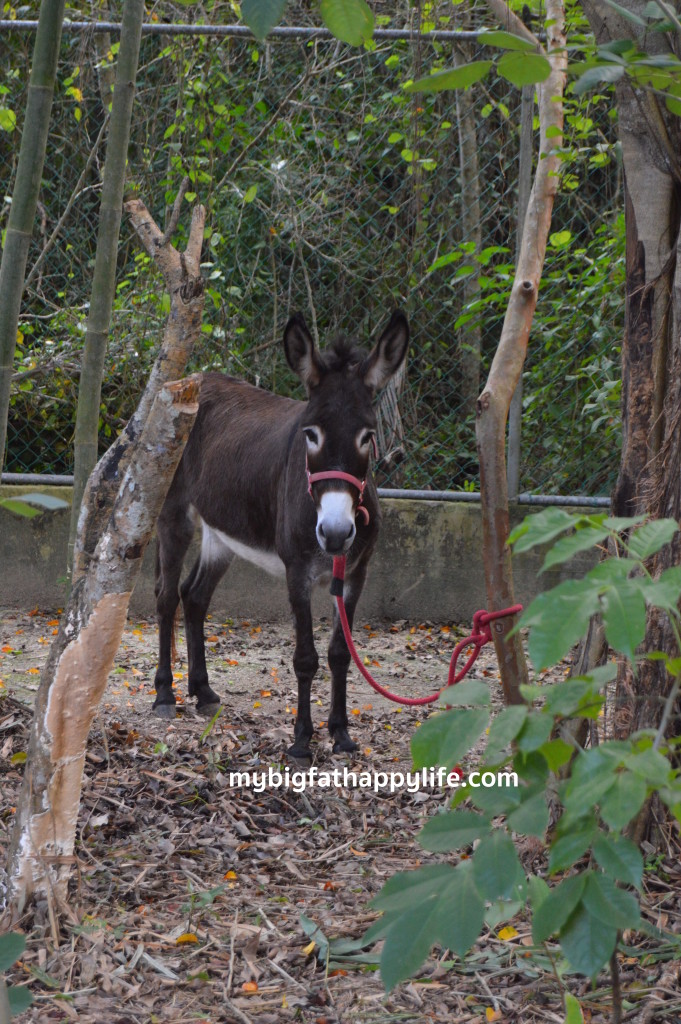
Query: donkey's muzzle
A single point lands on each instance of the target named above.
(336, 540)
(336, 522)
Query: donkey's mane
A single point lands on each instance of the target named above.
(343, 353)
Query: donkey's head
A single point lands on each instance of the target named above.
(339, 422)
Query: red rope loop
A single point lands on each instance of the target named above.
(480, 635)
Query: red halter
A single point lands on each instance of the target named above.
(337, 474)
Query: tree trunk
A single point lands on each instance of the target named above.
(74, 678)
(25, 196)
(649, 480)
(470, 343)
(104, 276)
(183, 281)
(495, 400)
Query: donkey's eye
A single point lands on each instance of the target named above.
(313, 438)
(366, 437)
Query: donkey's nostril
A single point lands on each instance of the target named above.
(335, 539)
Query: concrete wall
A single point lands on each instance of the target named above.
(428, 566)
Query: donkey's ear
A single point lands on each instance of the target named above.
(389, 353)
(301, 354)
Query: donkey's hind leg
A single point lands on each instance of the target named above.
(197, 591)
(175, 533)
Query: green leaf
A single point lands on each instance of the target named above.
(460, 915)
(606, 74)
(410, 888)
(452, 78)
(555, 909)
(505, 41)
(531, 818)
(541, 528)
(19, 999)
(524, 68)
(583, 793)
(609, 904)
(453, 830)
(444, 738)
(12, 945)
(557, 753)
(575, 695)
(8, 119)
(663, 592)
(650, 765)
(567, 547)
(452, 914)
(587, 942)
(629, 15)
(623, 802)
(261, 16)
(558, 618)
(649, 538)
(624, 618)
(538, 891)
(534, 733)
(673, 105)
(503, 730)
(620, 858)
(408, 944)
(496, 867)
(351, 21)
(472, 692)
(250, 194)
(573, 1011)
(495, 800)
(568, 849)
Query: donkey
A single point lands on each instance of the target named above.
(287, 485)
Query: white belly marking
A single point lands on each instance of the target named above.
(214, 543)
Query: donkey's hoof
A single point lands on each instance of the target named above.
(167, 711)
(344, 745)
(299, 752)
(208, 710)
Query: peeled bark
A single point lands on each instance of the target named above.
(74, 678)
(495, 400)
(104, 275)
(25, 196)
(183, 281)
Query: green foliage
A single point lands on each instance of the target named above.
(356, 211)
(262, 15)
(608, 64)
(12, 945)
(600, 870)
(520, 66)
(351, 21)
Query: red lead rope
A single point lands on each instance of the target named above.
(481, 634)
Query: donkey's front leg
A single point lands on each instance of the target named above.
(305, 661)
(339, 661)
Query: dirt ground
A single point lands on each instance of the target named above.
(196, 901)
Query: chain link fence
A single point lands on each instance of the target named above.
(330, 190)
